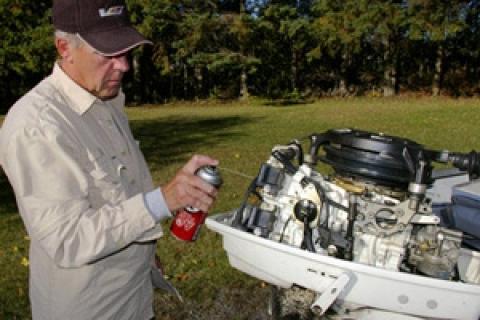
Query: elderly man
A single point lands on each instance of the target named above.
(82, 185)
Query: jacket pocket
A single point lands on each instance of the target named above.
(106, 184)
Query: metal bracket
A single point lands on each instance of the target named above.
(425, 219)
(325, 299)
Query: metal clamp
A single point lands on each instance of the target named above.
(325, 299)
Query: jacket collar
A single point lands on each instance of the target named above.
(80, 100)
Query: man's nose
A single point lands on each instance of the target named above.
(121, 63)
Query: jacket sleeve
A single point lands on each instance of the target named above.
(52, 193)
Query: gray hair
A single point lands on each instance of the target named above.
(72, 38)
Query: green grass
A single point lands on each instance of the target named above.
(241, 137)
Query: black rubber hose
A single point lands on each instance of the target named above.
(299, 153)
(237, 220)
(307, 242)
(285, 159)
(469, 162)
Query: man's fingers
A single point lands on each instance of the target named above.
(198, 198)
(198, 161)
(187, 189)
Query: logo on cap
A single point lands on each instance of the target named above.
(112, 11)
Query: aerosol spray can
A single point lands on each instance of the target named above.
(187, 222)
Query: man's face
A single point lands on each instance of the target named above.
(98, 74)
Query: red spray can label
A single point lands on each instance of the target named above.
(187, 222)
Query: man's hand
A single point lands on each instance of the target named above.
(186, 189)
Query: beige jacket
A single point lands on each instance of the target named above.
(79, 178)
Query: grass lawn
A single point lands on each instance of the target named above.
(241, 137)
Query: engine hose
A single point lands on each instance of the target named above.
(456, 276)
(327, 212)
(284, 159)
(336, 205)
(237, 219)
(307, 242)
(300, 155)
(352, 214)
(469, 162)
(316, 141)
(285, 228)
(468, 236)
(323, 197)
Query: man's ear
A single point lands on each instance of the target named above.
(64, 49)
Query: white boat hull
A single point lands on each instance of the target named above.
(341, 280)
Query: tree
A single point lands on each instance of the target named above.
(27, 52)
(468, 49)
(386, 25)
(200, 33)
(339, 35)
(235, 55)
(286, 38)
(437, 22)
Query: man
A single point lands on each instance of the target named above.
(81, 183)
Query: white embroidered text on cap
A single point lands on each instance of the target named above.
(112, 11)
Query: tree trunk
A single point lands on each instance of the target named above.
(438, 72)
(342, 88)
(137, 87)
(345, 63)
(416, 80)
(172, 85)
(390, 71)
(185, 81)
(389, 86)
(244, 94)
(198, 82)
(294, 71)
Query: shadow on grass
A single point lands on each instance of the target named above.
(7, 198)
(175, 139)
(286, 103)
